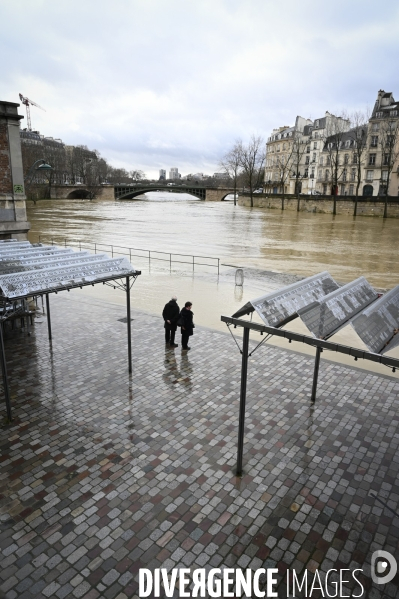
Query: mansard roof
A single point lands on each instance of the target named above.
(344, 137)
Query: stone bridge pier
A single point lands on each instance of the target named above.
(217, 194)
(81, 192)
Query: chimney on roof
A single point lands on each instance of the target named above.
(379, 96)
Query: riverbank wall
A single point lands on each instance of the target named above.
(324, 204)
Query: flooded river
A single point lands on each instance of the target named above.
(258, 239)
(300, 243)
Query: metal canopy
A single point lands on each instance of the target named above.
(279, 307)
(50, 278)
(6, 245)
(14, 265)
(324, 307)
(37, 270)
(377, 326)
(329, 314)
(33, 252)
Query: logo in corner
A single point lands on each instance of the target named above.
(383, 567)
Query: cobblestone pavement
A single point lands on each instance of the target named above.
(101, 475)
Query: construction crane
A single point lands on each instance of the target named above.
(28, 102)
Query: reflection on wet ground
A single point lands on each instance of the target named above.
(177, 373)
(105, 473)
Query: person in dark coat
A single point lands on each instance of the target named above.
(170, 315)
(187, 326)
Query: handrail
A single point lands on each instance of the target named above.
(130, 252)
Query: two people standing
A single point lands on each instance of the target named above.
(173, 318)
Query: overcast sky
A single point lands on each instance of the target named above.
(159, 83)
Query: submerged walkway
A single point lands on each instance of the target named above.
(101, 475)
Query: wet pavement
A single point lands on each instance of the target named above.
(102, 474)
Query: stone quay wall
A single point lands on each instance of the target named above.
(324, 204)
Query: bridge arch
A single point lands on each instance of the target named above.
(199, 194)
(79, 194)
(228, 193)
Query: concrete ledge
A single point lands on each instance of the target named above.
(368, 207)
(14, 227)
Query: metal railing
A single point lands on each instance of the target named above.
(149, 255)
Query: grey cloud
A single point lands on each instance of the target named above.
(149, 82)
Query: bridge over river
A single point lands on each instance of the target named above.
(212, 194)
(129, 192)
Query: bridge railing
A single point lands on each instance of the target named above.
(117, 250)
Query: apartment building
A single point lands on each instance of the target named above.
(174, 173)
(293, 153)
(381, 163)
(332, 155)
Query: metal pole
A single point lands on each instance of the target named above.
(193, 263)
(218, 266)
(4, 371)
(316, 372)
(129, 324)
(243, 396)
(48, 317)
(170, 261)
(112, 248)
(27, 316)
(95, 248)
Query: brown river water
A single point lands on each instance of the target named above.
(258, 239)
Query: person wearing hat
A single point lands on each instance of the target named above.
(170, 315)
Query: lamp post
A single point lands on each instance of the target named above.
(38, 166)
(43, 166)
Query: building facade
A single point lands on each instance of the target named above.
(382, 154)
(174, 173)
(332, 155)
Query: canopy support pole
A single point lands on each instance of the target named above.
(48, 316)
(5, 378)
(129, 324)
(316, 372)
(243, 396)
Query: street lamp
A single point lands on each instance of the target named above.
(43, 166)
